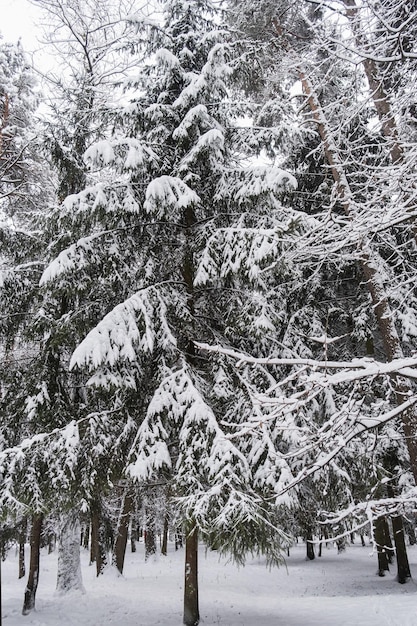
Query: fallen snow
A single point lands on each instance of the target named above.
(334, 590)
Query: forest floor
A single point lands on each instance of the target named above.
(333, 590)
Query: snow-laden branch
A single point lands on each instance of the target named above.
(350, 370)
(132, 327)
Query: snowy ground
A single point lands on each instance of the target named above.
(334, 590)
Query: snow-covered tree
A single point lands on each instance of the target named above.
(173, 199)
(358, 166)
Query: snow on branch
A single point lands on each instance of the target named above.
(75, 257)
(128, 153)
(132, 327)
(245, 183)
(168, 193)
(233, 250)
(364, 367)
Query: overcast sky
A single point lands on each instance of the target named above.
(18, 18)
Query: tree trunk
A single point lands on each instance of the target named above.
(150, 529)
(22, 542)
(69, 576)
(310, 545)
(387, 540)
(119, 548)
(379, 536)
(98, 550)
(33, 578)
(133, 537)
(403, 567)
(191, 610)
(376, 85)
(164, 548)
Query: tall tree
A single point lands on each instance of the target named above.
(173, 190)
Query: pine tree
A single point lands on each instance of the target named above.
(174, 191)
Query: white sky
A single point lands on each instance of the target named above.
(21, 19)
(18, 19)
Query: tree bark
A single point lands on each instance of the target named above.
(69, 576)
(119, 548)
(164, 548)
(403, 566)
(379, 536)
(191, 608)
(33, 578)
(150, 527)
(22, 542)
(390, 552)
(376, 85)
(310, 545)
(98, 550)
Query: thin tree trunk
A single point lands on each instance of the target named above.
(33, 578)
(85, 536)
(150, 528)
(191, 609)
(22, 542)
(310, 547)
(119, 548)
(164, 548)
(133, 537)
(98, 550)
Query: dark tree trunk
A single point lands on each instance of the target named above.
(178, 539)
(191, 610)
(164, 548)
(22, 541)
(310, 545)
(387, 541)
(98, 550)
(133, 537)
(33, 578)
(150, 542)
(119, 548)
(150, 533)
(379, 535)
(341, 545)
(403, 567)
